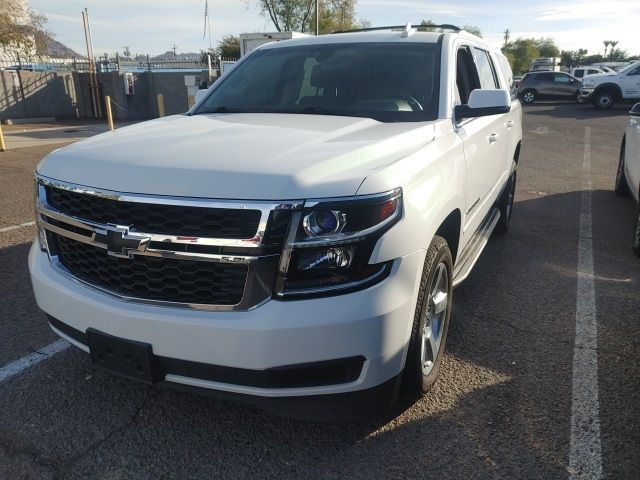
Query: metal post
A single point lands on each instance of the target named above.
(148, 64)
(191, 99)
(3, 147)
(317, 17)
(107, 101)
(160, 105)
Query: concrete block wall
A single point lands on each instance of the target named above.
(67, 95)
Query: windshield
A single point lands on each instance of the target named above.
(629, 67)
(389, 82)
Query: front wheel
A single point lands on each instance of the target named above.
(431, 321)
(604, 100)
(579, 98)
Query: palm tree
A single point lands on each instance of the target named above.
(613, 44)
(606, 45)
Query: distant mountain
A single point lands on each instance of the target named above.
(58, 50)
(170, 56)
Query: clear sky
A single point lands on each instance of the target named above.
(154, 26)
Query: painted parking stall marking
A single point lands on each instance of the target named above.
(585, 455)
(16, 227)
(14, 368)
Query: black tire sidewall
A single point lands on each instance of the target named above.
(505, 219)
(636, 231)
(532, 92)
(620, 185)
(414, 382)
(596, 100)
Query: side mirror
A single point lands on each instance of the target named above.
(483, 103)
(635, 111)
(200, 94)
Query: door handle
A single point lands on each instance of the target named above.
(509, 124)
(493, 138)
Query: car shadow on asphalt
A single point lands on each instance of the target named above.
(501, 408)
(575, 111)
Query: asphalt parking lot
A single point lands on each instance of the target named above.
(502, 407)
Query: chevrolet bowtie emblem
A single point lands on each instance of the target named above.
(120, 243)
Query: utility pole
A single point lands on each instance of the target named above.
(93, 79)
(174, 48)
(317, 17)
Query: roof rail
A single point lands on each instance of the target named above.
(441, 27)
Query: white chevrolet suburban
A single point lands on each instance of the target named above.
(628, 174)
(294, 239)
(605, 89)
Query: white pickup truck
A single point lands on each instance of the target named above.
(294, 239)
(604, 90)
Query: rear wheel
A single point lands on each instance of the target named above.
(636, 233)
(529, 96)
(431, 322)
(621, 187)
(505, 203)
(604, 99)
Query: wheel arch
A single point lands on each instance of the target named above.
(450, 230)
(609, 87)
(516, 153)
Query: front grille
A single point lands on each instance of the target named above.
(153, 278)
(156, 218)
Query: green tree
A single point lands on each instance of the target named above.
(573, 58)
(288, 15)
(425, 26)
(522, 51)
(229, 47)
(336, 15)
(473, 30)
(547, 47)
(22, 30)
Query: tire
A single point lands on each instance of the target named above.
(505, 203)
(529, 96)
(621, 187)
(636, 233)
(579, 98)
(604, 99)
(431, 322)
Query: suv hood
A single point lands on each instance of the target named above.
(597, 77)
(238, 156)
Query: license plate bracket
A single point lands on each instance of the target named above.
(128, 358)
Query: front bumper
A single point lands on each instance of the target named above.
(586, 92)
(374, 324)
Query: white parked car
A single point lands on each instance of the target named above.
(580, 72)
(628, 175)
(295, 238)
(606, 89)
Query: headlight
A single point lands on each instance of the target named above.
(41, 235)
(330, 242)
(588, 83)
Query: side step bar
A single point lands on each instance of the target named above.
(469, 257)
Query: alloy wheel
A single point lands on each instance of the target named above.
(435, 316)
(528, 97)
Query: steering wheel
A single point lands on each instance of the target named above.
(411, 100)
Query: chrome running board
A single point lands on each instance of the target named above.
(472, 252)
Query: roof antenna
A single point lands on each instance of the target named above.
(408, 30)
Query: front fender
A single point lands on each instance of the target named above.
(432, 181)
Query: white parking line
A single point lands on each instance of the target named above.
(14, 368)
(16, 227)
(585, 455)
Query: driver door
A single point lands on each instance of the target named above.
(631, 83)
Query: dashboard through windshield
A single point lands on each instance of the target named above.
(389, 82)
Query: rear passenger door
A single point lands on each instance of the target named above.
(484, 138)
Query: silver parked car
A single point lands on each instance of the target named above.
(549, 85)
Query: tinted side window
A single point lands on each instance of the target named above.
(635, 71)
(545, 77)
(486, 73)
(466, 75)
(560, 78)
(591, 72)
(579, 73)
